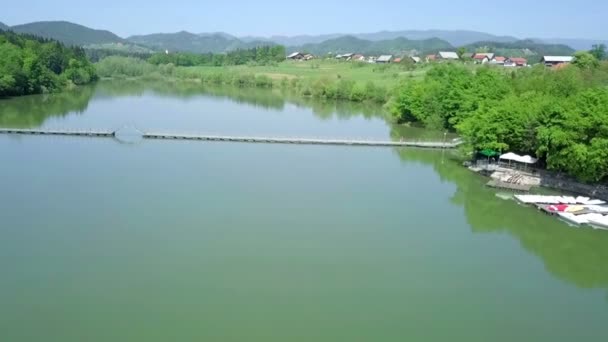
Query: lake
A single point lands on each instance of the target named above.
(206, 241)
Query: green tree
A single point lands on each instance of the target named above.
(585, 60)
(461, 52)
(598, 51)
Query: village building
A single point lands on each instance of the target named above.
(516, 62)
(555, 60)
(415, 59)
(481, 58)
(384, 59)
(345, 56)
(296, 56)
(358, 58)
(447, 56)
(308, 57)
(498, 60)
(431, 58)
(397, 60)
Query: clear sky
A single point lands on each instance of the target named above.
(536, 18)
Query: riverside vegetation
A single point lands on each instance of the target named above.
(32, 65)
(560, 116)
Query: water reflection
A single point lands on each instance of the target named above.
(576, 255)
(32, 111)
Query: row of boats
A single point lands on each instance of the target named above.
(574, 210)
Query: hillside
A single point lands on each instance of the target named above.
(3, 26)
(455, 38)
(523, 48)
(68, 33)
(196, 43)
(398, 46)
(577, 44)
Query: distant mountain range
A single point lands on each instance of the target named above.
(3, 26)
(397, 46)
(379, 42)
(455, 38)
(197, 43)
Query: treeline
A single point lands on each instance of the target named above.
(260, 55)
(32, 65)
(559, 115)
(96, 55)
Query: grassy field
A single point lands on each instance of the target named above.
(383, 75)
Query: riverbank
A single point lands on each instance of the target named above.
(357, 82)
(541, 178)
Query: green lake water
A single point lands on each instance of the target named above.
(194, 241)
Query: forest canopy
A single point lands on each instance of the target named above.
(33, 65)
(559, 115)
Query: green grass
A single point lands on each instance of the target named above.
(383, 75)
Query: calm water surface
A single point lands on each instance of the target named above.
(194, 241)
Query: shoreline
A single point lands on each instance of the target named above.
(541, 179)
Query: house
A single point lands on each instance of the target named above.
(372, 59)
(345, 56)
(415, 59)
(447, 56)
(490, 55)
(296, 56)
(308, 57)
(430, 58)
(384, 59)
(515, 62)
(358, 58)
(481, 58)
(397, 60)
(555, 60)
(498, 60)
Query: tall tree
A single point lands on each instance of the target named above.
(598, 51)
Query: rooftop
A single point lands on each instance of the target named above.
(558, 59)
(448, 55)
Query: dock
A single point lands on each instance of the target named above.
(494, 183)
(241, 139)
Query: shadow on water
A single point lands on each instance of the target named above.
(577, 255)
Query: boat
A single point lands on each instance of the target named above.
(572, 219)
(599, 223)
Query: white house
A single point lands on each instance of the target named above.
(415, 59)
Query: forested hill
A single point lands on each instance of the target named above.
(196, 43)
(68, 33)
(351, 44)
(522, 48)
(3, 26)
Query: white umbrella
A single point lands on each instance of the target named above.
(511, 156)
(528, 160)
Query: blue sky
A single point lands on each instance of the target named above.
(539, 18)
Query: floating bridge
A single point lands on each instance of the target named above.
(229, 138)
